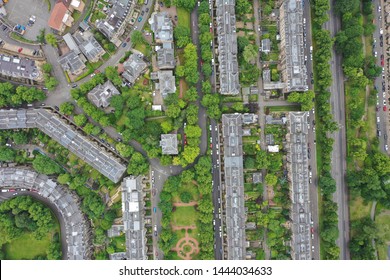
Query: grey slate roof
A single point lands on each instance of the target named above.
(166, 82)
(72, 62)
(69, 40)
(63, 133)
(266, 45)
(18, 67)
(168, 144)
(297, 166)
(227, 47)
(234, 183)
(294, 72)
(133, 218)
(101, 94)
(67, 204)
(162, 27)
(134, 67)
(166, 58)
(89, 46)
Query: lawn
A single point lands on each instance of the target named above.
(184, 216)
(183, 17)
(191, 188)
(284, 108)
(358, 209)
(26, 247)
(382, 221)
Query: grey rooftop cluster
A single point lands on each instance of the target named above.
(115, 18)
(293, 69)
(234, 183)
(18, 67)
(297, 166)
(133, 221)
(134, 67)
(101, 94)
(227, 47)
(65, 135)
(67, 204)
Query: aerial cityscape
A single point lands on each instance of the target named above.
(194, 130)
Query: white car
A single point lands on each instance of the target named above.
(386, 147)
(384, 94)
(381, 31)
(375, 54)
(378, 119)
(210, 126)
(310, 174)
(384, 102)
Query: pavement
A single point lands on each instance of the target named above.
(339, 165)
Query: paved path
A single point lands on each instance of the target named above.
(186, 241)
(182, 204)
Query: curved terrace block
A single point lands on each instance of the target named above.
(74, 226)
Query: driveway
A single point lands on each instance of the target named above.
(19, 12)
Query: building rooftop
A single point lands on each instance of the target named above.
(101, 94)
(64, 134)
(234, 184)
(72, 62)
(248, 118)
(168, 144)
(115, 18)
(133, 218)
(162, 27)
(134, 67)
(57, 15)
(294, 72)
(69, 40)
(266, 45)
(227, 47)
(89, 46)
(166, 82)
(297, 166)
(67, 204)
(19, 67)
(165, 58)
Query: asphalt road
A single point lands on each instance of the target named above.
(339, 148)
(53, 208)
(381, 83)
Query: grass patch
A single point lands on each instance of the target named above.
(26, 247)
(284, 108)
(183, 17)
(140, 47)
(20, 38)
(184, 216)
(191, 188)
(97, 15)
(382, 222)
(359, 209)
(76, 15)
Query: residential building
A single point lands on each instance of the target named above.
(133, 67)
(166, 59)
(89, 46)
(133, 218)
(298, 177)
(234, 186)
(101, 94)
(73, 63)
(71, 43)
(168, 144)
(162, 27)
(19, 68)
(114, 24)
(292, 62)
(166, 82)
(227, 47)
(266, 45)
(248, 118)
(61, 15)
(76, 226)
(51, 124)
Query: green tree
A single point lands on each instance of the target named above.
(43, 164)
(7, 154)
(185, 197)
(138, 165)
(271, 179)
(47, 67)
(124, 150)
(250, 53)
(80, 120)
(305, 99)
(137, 37)
(51, 39)
(67, 108)
(182, 35)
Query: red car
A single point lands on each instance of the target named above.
(384, 108)
(312, 230)
(382, 62)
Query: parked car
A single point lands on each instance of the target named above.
(154, 209)
(139, 19)
(74, 85)
(124, 45)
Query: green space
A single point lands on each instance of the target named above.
(183, 17)
(184, 216)
(382, 222)
(284, 108)
(358, 208)
(27, 247)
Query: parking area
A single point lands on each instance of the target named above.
(20, 11)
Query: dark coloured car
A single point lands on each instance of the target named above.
(128, 40)
(161, 4)
(56, 107)
(147, 10)
(312, 81)
(142, 13)
(124, 45)
(74, 86)
(175, 17)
